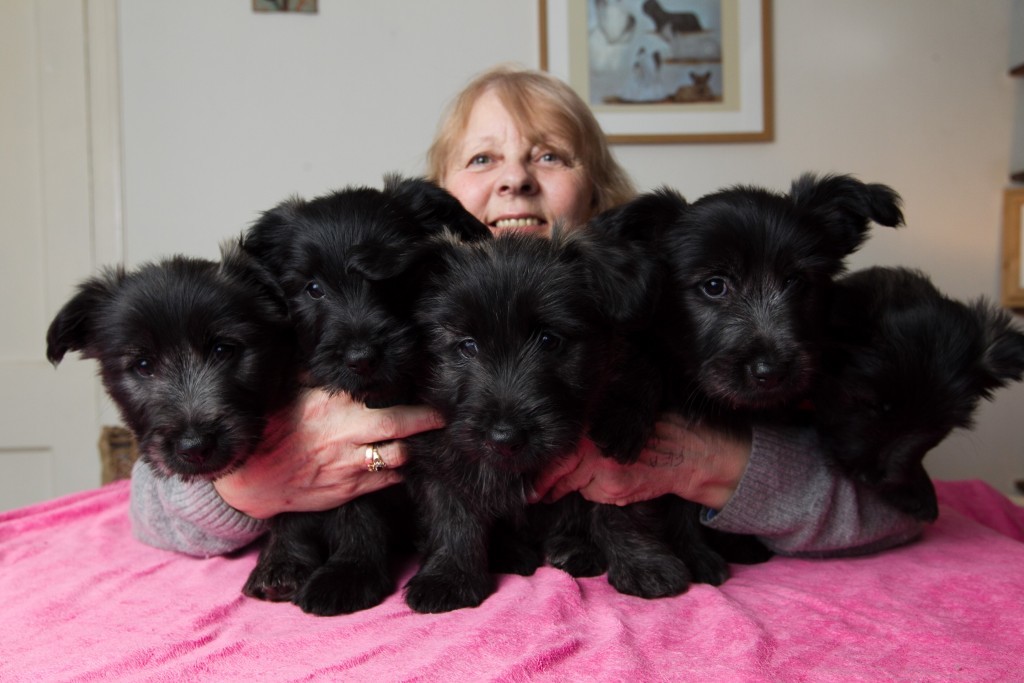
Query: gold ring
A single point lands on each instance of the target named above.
(374, 463)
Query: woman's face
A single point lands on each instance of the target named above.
(511, 184)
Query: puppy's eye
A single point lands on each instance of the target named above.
(877, 407)
(793, 282)
(468, 348)
(143, 367)
(549, 341)
(223, 351)
(314, 290)
(715, 288)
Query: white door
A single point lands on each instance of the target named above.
(60, 194)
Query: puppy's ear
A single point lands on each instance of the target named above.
(378, 261)
(435, 214)
(855, 299)
(621, 274)
(73, 327)
(238, 264)
(621, 246)
(434, 209)
(1003, 358)
(267, 238)
(642, 219)
(845, 207)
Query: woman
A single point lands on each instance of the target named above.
(521, 150)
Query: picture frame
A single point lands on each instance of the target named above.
(303, 6)
(1013, 244)
(698, 72)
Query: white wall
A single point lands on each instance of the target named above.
(226, 112)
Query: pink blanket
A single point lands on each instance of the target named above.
(82, 600)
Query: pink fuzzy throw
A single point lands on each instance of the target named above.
(83, 601)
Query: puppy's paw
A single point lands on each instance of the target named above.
(576, 557)
(343, 589)
(923, 510)
(915, 497)
(276, 581)
(650, 577)
(433, 593)
(707, 566)
(518, 558)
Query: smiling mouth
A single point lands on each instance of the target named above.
(517, 222)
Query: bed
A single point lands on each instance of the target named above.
(83, 601)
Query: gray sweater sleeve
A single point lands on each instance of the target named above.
(788, 497)
(187, 517)
(798, 505)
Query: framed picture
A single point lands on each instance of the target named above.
(307, 6)
(1013, 245)
(666, 70)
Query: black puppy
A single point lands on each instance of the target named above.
(521, 344)
(738, 320)
(904, 366)
(749, 272)
(359, 337)
(196, 355)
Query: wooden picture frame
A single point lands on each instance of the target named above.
(1013, 227)
(703, 74)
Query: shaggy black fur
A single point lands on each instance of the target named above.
(521, 337)
(740, 305)
(905, 365)
(358, 337)
(749, 275)
(196, 355)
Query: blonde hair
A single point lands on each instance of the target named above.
(542, 107)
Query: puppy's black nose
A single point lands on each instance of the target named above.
(193, 448)
(361, 360)
(766, 374)
(505, 438)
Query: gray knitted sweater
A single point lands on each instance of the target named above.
(788, 497)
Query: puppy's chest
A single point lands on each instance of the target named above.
(436, 463)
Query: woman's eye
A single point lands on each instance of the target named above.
(314, 290)
(223, 351)
(551, 158)
(143, 367)
(715, 287)
(468, 348)
(479, 160)
(549, 341)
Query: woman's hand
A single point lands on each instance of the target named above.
(315, 455)
(692, 461)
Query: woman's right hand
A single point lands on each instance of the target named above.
(314, 456)
(682, 457)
